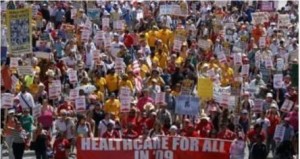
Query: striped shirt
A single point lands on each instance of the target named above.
(18, 136)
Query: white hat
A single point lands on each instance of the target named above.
(174, 128)
(270, 95)
(11, 111)
(273, 105)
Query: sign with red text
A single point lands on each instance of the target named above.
(153, 148)
(80, 103)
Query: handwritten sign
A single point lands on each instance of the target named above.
(7, 100)
(278, 81)
(80, 103)
(287, 106)
(25, 70)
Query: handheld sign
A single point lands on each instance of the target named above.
(7, 100)
(287, 106)
(279, 133)
(80, 103)
(160, 97)
(74, 93)
(237, 58)
(125, 98)
(278, 81)
(73, 76)
(258, 106)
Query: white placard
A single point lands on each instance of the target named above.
(222, 58)
(279, 64)
(268, 63)
(278, 81)
(14, 62)
(80, 103)
(204, 44)
(125, 98)
(245, 70)
(73, 13)
(36, 111)
(105, 23)
(283, 21)
(262, 42)
(160, 97)
(99, 35)
(72, 76)
(73, 94)
(25, 70)
(279, 133)
(258, 106)
(177, 45)
(57, 84)
(53, 92)
(260, 17)
(118, 25)
(85, 35)
(237, 59)
(42, 55)
(119, 65)
(7, 100)
(287, 106)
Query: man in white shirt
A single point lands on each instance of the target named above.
(102, 127)
(264, 122)
(115, 45)
(26, 99)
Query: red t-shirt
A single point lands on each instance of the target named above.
(227, 135)
(128, 40)
(60, 146)
(252, 135)
(150, 123)
(274, 120)
(205, 128)
(111, 135)
(191, 134)
(130, 134)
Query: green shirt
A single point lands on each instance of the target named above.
(27, 122)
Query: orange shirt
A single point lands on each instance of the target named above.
(257, 33)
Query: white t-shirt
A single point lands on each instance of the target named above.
(103, 126)
(63, 126)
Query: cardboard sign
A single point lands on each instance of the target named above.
(105, 23)
(268, 63)
(258, 106)
(279, 133)
(283, 21)
(287, 106)
(262, 42)
(237, 59)
(7, 100)
(278, 81)
(14, 62)
(204, 44)
(160, 97)
(260, 17)
(25, 70)
(245, 70)
(72, 76)
(80, 103)
(205, 88)
(36, 111)
(73, 94)
(279, 64)
(125, 98)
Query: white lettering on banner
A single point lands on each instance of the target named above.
(212, 146)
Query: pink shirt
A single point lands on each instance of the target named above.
(46, 117)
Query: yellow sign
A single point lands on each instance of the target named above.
(18, 22)
(205, 88)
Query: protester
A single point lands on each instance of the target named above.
(142, 70)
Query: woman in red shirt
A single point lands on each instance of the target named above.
(110, 132)
(205, 126)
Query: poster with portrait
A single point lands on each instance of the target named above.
(18, 22)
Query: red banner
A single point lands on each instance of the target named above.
(155, 148)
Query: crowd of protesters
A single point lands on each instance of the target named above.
(147, 41)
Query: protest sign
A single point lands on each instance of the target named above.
(279, 133)
(205, 88)
(42, 49)
(93, 13)
(204, 44)
(14, 62)
(36, 111)
(85, 35)
(7, 100)
(258, 106)
(53, 91)
(278, 81)
(174, 9)
(118, 25)
(245, 70)
(14, 80)
(19, 31)
(283, 21)
(211, 73)
(262, 42)
(72, 76)
(268, 63)
(287, 106)
(80, 103)
(73, 13)
(25, 70)
(57, 84)
(160, 98)
(73, 94)
(125, 98)
(164, 147)
(105, 23)
(177, 45)
(221, 57)
(267, 6)
(237, 59)
(186, 90)
(119, 65)
(259, 17)
(279, 64)
(187, 105)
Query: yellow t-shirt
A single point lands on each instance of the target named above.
(112, 106)
(165, 36)
(34, 88)
(37, 70)
(112, 82)
(126, 83)
(101, 83)
(179, 61)
(100, 96)
(161, 60)
(227, 76)
(151, 37)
